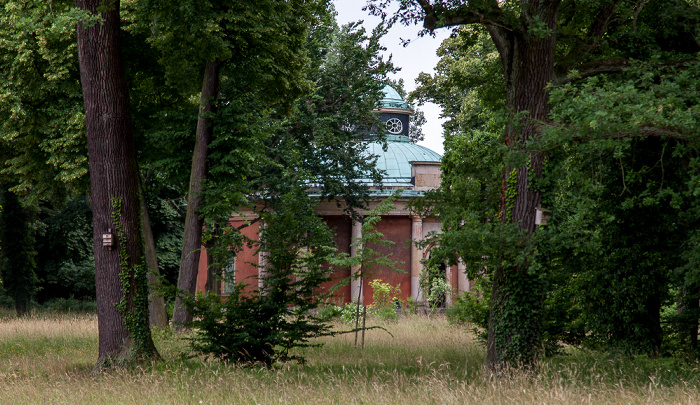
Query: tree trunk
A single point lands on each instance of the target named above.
(22, 307)
(192, 239)
(158, 316)
(514, 337)
(120, 274)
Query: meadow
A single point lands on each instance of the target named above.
(47, 359)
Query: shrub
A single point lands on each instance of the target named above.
(472, 307)
(411, 306)
(251, 328)
(438, 293)
(328, 312)
(434, 286)
(348, 314)
(384, 297)
(70, 304)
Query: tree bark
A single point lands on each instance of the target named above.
(528, 63)
(158, 316)
(124, 334)
(192, 239)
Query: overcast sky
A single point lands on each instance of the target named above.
(419, 56)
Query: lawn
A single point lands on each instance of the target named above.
(47, 358)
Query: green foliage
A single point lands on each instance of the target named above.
(383, 294)
(247, 329)
(328, 312)
(70, 304)
(17, 245)
(439, 289)
(304, 133)
(518, 311)
(349, 313)
(619, 175)
(262, 326)
(278, 157)
(7, 303)
(166, 212)
(433, 284)
(42, 124)
(65, 263)
(470, 71)
(384, 300)
(411, 306)
(472, 308)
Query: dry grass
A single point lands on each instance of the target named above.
(47, 360)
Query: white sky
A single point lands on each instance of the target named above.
(419, 56)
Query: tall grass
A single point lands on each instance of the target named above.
(48, 360)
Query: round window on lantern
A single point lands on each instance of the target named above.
(394, 126)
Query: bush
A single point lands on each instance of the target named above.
(329, 311)
(385, 298)
(348, 314)
(472, 308)
(250, 327)
(438, 293)
(5, 300)
(70, 305)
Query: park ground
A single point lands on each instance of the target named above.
(47, 359)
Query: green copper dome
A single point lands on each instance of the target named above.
(395, 162)
(392, 99)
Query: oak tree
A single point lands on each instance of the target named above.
(540, 43)
(120, 271)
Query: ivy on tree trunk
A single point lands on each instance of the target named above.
(528, 64)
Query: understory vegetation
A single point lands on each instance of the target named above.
(47, 357)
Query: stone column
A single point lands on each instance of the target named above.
(416, 256)
(448, 277)
(262, 268)
(462, 279)
(355, 282)
(262, 260)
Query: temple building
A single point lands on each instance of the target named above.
(411, 168)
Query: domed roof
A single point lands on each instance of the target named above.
(395, 162)
(392, 99)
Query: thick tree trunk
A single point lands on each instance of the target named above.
(514, 337)
(192, 239)
(122, 293)
(158, 316)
